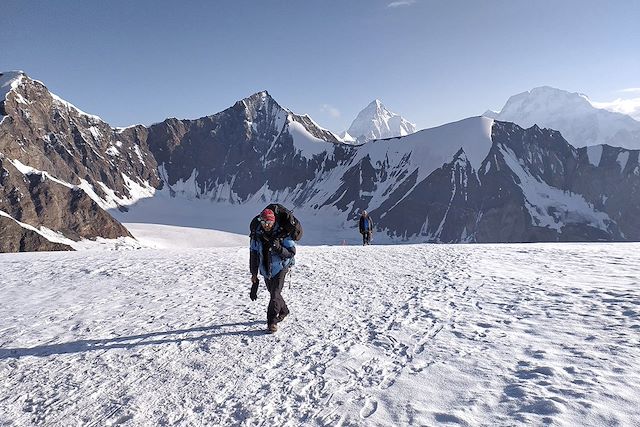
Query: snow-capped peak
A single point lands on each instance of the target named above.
(375, 121)
(530, 103)
(571, 113)
(9, 80)
(260, 101)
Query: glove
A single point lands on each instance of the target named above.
(276, 246)
(254, 288)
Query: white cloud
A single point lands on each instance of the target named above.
(330, 110)
(630, 90)
(630, 107)
(400, 3)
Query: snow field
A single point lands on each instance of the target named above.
(378, 335)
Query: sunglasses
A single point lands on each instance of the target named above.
(267, 223)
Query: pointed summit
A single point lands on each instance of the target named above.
(261, 100)
(9, 80)
(376, 122)
(17, 82)
(376, 103)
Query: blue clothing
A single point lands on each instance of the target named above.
(272, 260)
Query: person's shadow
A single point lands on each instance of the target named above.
(128, 342)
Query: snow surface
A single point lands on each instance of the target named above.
(622, 159)
(112, 151)
(172, 237)
(594, 153)
(207, 216)
(499, 335)
(307, 144)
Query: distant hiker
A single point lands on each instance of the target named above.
(366, 227)
(271, 252)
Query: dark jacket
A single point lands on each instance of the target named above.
(270, 254)
(365, 227)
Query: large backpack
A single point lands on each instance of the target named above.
(289, 225)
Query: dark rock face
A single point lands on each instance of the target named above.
(532, 187)
(613, 186)
(240, 150)
(18, 239)
(440, 206)
(38, 200)
(79, 150)
(48, 134)
(573, 187)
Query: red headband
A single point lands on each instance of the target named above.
(268, 215)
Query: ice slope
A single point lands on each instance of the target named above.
(476, 335)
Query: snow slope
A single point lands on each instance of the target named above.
(427, 150)
(160, 236)
(495, 335)
(209, 218)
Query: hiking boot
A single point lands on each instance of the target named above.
(272, 327)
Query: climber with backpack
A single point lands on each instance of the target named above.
(365, 225)
(271, 252)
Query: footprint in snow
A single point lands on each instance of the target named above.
(369, 408)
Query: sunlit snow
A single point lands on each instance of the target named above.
(543, 334)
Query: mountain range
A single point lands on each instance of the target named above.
(476, 180)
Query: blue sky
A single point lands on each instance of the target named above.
(431, 61)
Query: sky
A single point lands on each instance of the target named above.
(433, 62)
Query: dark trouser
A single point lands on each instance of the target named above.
(277, 308)
(366, 236)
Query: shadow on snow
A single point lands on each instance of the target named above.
(142, 340)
